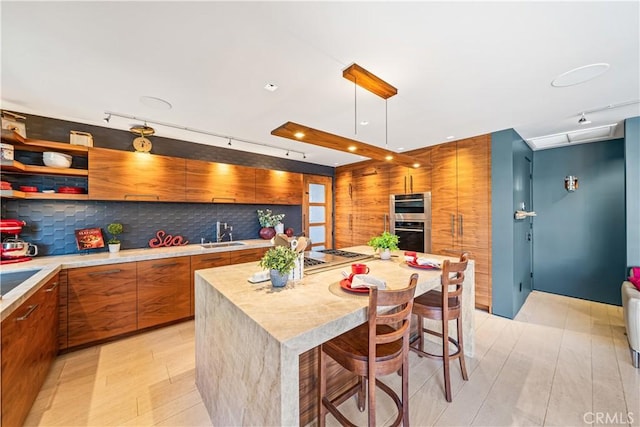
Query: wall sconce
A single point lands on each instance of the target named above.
(571, 183)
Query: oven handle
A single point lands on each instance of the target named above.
(410, 229)
(408, 200)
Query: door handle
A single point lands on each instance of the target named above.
(52, 288)
(405, 184)
(350, 191)
(28, 313)
(411, 183)
(101, 273)
(460, 226)
(170, 264)
(453, 225)
(350, 222)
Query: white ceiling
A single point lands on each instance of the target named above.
(461, 69)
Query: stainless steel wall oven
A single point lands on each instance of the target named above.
(411, 221)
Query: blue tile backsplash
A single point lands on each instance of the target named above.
(51, 223)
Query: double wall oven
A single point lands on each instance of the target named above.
(411, 221)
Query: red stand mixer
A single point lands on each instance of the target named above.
(13, 248)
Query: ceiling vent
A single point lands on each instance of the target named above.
(599, 133)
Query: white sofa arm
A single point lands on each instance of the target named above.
(631, 307)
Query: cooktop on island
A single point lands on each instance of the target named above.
(326, 259)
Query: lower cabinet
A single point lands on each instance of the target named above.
(164, 291)
(198, 262)
(29, 346)
(102, 302)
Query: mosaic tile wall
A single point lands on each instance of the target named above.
(51, 223)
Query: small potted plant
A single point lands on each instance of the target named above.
(386, 242)
(268, 220)
(114, 229)
(279, 260)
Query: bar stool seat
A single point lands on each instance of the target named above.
(378, 347)
(443, 305)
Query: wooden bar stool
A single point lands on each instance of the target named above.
(378, 347)
(444, 305)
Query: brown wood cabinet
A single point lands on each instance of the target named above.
(247, 255)
(405, 180)
(29, 346)
(278, 187)
(125, 175)
(63, 310)
(344, 212)
(371, 192)
(102, 302)
(198, 262)
(164, 291)
(219, 182)
(461, 206)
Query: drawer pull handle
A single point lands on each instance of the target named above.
(171, 264)
(126, 196)
(102, 273)
(51, 289)
(28, 313)
(211, 259)
(213, 199)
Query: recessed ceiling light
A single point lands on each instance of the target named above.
(156, 103)
(450, 137)
(299, 135)
(389, 157)
(364, 123)
(351, 148)
(580, 75)
(416, 165)
(270, 87)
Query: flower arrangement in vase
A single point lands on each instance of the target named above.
(386, 242)
(269, 221)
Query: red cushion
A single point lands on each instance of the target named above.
(636, 281)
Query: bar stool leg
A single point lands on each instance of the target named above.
(405, 389)
(445, 359)
(463, 366)
(420, 334)
(362, 393)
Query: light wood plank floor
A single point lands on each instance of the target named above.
(561, 362)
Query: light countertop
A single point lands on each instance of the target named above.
(51, 265)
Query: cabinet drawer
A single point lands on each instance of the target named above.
(209, 260)
(102, 302)
(164, 291)
(247, 255)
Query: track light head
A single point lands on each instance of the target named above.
(287, 153)
(107, 118)
(304, 156)
(229, 143)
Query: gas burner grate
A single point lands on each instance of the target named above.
(310, 262)
(344, 254)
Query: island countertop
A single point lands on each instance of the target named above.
(249, 336)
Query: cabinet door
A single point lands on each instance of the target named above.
(247, 255)
(29, 346)
(372, 202)
(399, 180)
(278, 187)
(164, 291)
(102, 302)
(198, 262)
(219, 182)
(63, 310)
(419, 180)
(344, 212)
(443, 198)
(125, 175)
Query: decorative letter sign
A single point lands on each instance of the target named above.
(164, 239)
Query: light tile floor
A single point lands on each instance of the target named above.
(561, 362)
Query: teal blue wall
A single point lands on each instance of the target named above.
(508, 263)
(632, 173)
(580, 237)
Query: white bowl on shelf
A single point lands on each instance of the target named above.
(56, 160)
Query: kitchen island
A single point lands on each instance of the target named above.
(249, 337)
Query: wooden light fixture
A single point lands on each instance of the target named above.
(301, 133)
(369, 81)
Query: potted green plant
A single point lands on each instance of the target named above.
(270, 223)
(386, 242)
(279, 260)
(114, 229)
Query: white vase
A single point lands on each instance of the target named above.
(114, 247)
(385, 254)
(279, 228)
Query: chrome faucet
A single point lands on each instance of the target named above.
(220, 233)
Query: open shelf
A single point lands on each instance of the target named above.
(39, 145)
(16, 166)
(15, 194)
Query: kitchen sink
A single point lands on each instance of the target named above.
(11, 280)
(221, 244)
